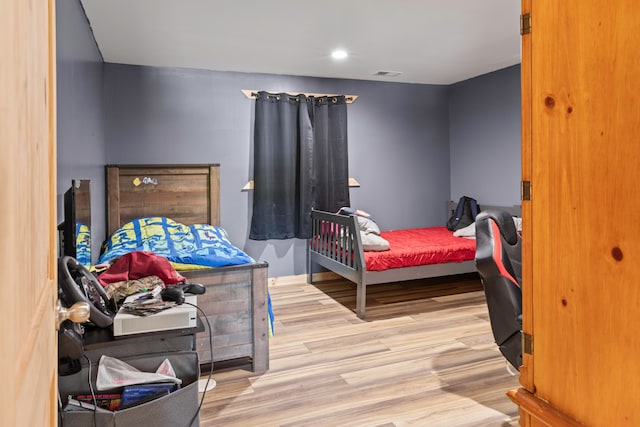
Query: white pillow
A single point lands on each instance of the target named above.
(367, 225)
(518, 222)
(468, 231)
(373, 242)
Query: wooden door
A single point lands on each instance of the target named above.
(27, 216)
(581, 287)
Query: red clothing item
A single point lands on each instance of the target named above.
(135, 265)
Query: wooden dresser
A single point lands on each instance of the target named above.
(580, 151)
(236, 304)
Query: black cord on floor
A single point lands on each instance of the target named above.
(93, 393)
(204, 392)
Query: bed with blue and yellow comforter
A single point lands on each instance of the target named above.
(186, 247)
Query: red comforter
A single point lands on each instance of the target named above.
(420, 246)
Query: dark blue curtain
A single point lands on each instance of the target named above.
(300, 162)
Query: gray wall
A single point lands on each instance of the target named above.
(80, 137)
(398, 142)
(411, 147)
(484, 136)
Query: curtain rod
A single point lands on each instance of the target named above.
(352, 183)
(251, 94)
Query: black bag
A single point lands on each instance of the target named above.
(465, 213)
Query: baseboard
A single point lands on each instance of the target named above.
(302, 278)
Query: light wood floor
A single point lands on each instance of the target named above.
(425, 356)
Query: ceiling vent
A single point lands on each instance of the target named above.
(387, 73)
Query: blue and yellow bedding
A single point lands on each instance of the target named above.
(186, 247)
(83, 244)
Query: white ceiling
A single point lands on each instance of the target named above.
(429, 41)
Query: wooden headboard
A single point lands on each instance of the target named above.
(189, 194)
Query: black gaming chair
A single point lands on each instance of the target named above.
(499, 262)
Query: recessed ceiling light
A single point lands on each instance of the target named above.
(339, 54)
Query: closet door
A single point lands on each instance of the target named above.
(28, 257)
(581, 281)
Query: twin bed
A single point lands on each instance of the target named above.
(336, 245)
(179, 206)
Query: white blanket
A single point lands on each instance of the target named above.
(469, 231)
